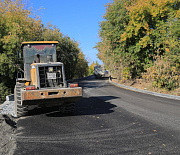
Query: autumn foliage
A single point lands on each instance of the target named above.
(141, 39)
(18, 23)
(91, 67)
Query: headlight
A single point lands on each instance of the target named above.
(50, 69)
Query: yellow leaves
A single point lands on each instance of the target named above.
(144, 41)
(123, 36)
(177, 14)
(176, 77)
(137, 29)
(139, 12)
(126, 73)
(17, 21)
(146, 26)
(167, 49)
(92, 66)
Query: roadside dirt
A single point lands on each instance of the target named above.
(141, 84)
(7, 134)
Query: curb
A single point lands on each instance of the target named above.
(146, 92)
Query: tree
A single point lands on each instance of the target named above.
(81, 66)
(134, 32)
(111, 51)
(91, 68)
(16, 26)
(67, 49)
(68, 53)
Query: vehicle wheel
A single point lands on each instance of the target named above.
(67, 108)
(19, 109)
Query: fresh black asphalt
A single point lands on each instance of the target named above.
(107, 120)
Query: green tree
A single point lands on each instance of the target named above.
(67, 50)
(153, 25)
(111, 51)
(91, 68)
(134, 32)
(16, 25)
(68, 53)
(148, 30)
(81, 66)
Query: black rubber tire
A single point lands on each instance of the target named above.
(67, 108)
(19, 109)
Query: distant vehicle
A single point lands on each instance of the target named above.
(100, 72)
(44, 83)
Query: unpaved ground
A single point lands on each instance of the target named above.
(141, 84)
(7, 134)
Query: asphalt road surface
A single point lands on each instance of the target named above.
(107, 120)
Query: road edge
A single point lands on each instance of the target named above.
(145, 91)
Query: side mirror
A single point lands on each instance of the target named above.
(19, 54)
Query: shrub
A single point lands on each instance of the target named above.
(126, 73)
(164, 73)
(4, 91)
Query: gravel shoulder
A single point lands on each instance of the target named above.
(7, 134)
(8, 127)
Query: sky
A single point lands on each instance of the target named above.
(79, 19)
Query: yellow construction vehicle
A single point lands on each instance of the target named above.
(43, 82)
